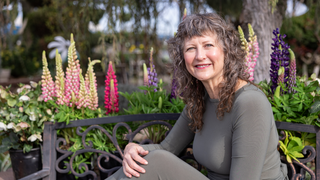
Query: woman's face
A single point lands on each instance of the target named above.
(204, 58)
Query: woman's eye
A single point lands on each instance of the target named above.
(190, 48)
(209, 45)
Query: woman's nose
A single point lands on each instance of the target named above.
(201, 54)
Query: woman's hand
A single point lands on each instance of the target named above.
(130, 157)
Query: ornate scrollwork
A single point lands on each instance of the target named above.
(310, 155)
(88, 147)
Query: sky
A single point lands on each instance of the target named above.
(168, 20)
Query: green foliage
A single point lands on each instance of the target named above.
(5, 162)
(148, 101)
(301, 31)
(22, 116)
(21, 61)
(303, 106)
(292, 148)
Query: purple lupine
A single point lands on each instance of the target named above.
(174, 86)
(152, 74)
(279, 58)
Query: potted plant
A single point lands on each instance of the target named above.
(22, 115)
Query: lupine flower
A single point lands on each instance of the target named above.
(72, 81)
(251, 48)
(254, 50)
(184, 14)
(59, 82)
(145, 75)
(84, 97)
(111, 97)
(152, 74)
(47, 82)
(292, 72)
(279, 58)
(93, 95)
(174, 87)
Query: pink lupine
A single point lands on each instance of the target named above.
(111, 97)
(184, 13)
(252, 50)
(72, 81)
(292, 72)
(93, 95)
(46, 82)
(59, 82)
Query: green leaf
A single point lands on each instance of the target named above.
(315, 107)
(297, 154)
(26, 148)
(4, 148)
(12, 102)
(296, 148)
(275, 110)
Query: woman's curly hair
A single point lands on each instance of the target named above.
(189, 88)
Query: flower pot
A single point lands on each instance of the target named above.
(24, 164)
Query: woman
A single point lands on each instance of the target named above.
(228, 119)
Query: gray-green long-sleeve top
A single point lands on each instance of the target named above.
(240, 146)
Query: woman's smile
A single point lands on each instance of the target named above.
(202, 66)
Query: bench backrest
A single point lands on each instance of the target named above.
(51, 145)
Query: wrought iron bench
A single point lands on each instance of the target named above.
(51, 146)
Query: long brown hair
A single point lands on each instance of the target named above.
(189, 88)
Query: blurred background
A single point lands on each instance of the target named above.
(123, 31)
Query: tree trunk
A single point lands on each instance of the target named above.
(258, 14)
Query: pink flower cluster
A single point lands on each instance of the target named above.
(111, 97)
(251, 58)
(252, 49)
(68, 90)
(72, 81)
(48, 89)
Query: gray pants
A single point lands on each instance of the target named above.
(163, 165)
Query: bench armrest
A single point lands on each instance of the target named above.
(37, 175)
